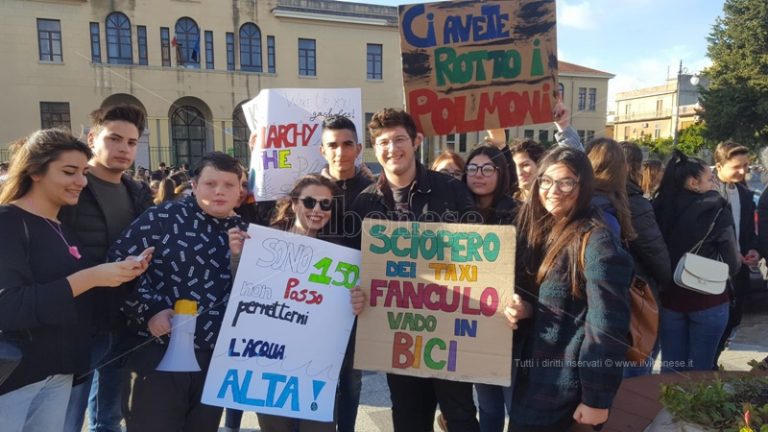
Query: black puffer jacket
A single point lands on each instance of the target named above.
(434, 197)
(649, 250)
(89, 223)
(684, 222)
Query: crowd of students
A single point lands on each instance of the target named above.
(92, 263)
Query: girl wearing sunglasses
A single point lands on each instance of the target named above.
(308, 206)
(306, 210)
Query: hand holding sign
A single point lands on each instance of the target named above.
(237, 239)
(497, 137)
(517, 309)
(357, 298)
(562, 116)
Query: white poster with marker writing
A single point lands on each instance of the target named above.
(287, 124)
(286, 327)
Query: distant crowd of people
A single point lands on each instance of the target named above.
(93, 260)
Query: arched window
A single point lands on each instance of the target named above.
(188, 135)
(187, 43)
(240, 135)
(250, 48)
(119, 49)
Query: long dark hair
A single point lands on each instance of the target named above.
(502, 171)
(284, 216)
(677, 172)
(546, 237)
(610, 167)
(33, 155)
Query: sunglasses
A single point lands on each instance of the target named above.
(310, 203)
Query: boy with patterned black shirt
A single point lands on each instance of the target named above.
(191, 261)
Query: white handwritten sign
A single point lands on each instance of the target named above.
(288, 127)
(286, 327)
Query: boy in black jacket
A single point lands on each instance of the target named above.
(107, 205)
(408, 191)
(732, 164)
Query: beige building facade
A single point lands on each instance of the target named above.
(190, 64)
(653, 111)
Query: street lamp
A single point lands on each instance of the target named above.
(694, 81)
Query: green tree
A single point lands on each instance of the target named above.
(695, 138)
(659, 147)
(736, 103)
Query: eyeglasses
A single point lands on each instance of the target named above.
(452, 173)
(310, 203)
(398, 141)
(565, 185)
(486, 170)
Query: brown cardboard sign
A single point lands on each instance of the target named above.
(436, 295)
(475, 65)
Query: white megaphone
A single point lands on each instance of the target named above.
(180, 354)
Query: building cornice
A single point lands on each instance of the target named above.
(585, 75)
(337, 12)
(280, 12)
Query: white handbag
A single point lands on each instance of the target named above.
(700, 274)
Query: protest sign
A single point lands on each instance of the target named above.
(470, 66)
(288, 127)
(435, 300)
(286, 327)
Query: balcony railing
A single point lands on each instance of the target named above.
(646, 115)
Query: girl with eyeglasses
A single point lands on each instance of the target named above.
(573, 277)
(487, 177)
(305, 211)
